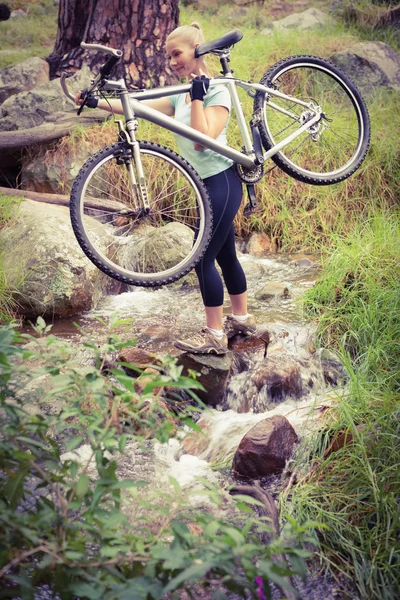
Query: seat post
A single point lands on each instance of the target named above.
(224, 60)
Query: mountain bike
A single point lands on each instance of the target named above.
(141, 213)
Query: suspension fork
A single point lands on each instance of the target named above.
(138, 179)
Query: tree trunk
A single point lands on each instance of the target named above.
(138, 27)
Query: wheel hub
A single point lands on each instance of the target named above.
(317, 128)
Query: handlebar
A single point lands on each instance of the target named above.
(104, 70)
(104, 49)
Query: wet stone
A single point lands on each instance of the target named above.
(265, 449)
(272, 291)
(276, 379)
(214, 372)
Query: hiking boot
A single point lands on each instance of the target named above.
(204, 342)
(233, 326)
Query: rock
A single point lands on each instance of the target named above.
(41, 104)
(312, 17)
(370, 64)
(23, 77)
(139, 358)
(252, 269)
(46, 174)
(260, 244)
(18, 13)
(342, 438)
(250, 343)
(265, 449)
(169, 244)
(333, 370)
(275, 379)
(46, 266)
(213, 372)
(272, 291)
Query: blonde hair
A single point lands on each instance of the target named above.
(190, 34)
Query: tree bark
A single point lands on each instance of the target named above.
(138, 27)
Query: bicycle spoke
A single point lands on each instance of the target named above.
(135, 240)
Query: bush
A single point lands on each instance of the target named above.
(65, 522)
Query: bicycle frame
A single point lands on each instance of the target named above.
(133, 107)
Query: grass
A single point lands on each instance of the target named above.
(8, 208)
(24, 37)
(355, 490)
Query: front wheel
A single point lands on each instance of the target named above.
(146, 242)
(336, 145)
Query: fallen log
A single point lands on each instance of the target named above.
(47, 132)
(63, 200)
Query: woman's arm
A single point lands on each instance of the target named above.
(114, 105)
(210, 121)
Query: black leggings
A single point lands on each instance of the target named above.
(225, 191)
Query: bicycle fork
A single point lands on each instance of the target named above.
(138, 181)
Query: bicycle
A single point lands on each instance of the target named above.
(141, 213)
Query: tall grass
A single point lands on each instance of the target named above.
(8, 208)
(355, 489)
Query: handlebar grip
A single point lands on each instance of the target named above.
(109, 65)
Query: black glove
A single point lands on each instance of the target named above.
(90, 100)
(199, 87)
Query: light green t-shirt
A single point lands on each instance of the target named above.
(207, 162)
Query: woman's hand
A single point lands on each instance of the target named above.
(200, 85)
(78, 98)
(89, 99)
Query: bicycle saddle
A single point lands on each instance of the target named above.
(229, 39)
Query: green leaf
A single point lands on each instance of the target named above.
(276, 574)
(73, 555)
(211, 528)
(128, 483)
(14, 489)
(87, 590)
(175, 484)
(248, 500)
(235, 535)
(82, 486)
(193, 573)
(73, 443)
(122, 442)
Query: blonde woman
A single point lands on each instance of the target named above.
(207, 110)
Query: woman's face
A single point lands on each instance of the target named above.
(181, 58)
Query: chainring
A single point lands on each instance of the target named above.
(249, 176)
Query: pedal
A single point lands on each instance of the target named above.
(251, 205)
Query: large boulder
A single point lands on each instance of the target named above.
(265, 449)
(23, 77)
(43, 104)
(308, 19)
(46, 266)
(168, 245)
(370, 64)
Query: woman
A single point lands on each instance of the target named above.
(207, 110)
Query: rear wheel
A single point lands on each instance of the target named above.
(336, 145)
(141, 245)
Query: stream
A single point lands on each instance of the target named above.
(160, 315)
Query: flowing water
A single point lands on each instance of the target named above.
(160, 315)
